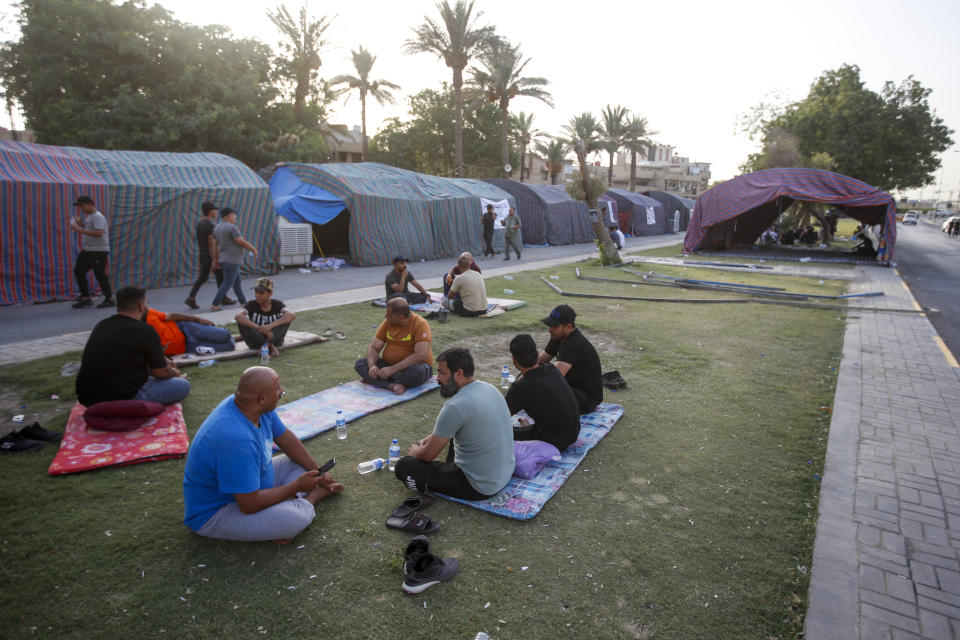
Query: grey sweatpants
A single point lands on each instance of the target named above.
(282, 521)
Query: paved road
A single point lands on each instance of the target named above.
(929, 262)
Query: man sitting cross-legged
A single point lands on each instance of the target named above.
(476, 423)
(233, 486)
(544, 394)
(576, 358)
(407, 360)
(264, 319)
(468, 292)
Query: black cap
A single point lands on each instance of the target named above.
(83, 200)
(226, 211)
(397, 259)
(561, 314)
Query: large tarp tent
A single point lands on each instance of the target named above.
(613, 211)
(548, 214)
(738, 210)
(639, 215)
(151, 201)
(390, 211)
(675, 208)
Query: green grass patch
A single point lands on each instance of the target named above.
(693, 518)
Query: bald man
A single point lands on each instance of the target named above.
(233, 487)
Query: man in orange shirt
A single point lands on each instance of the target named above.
(182, 333)
(407, 360)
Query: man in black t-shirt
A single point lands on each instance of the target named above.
(576, 358)
(541, 391)
(123, 359)
(488, 218)
(263, 319)
(207, 254)
(397, 283)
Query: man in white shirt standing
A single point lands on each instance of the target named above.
(95, 249)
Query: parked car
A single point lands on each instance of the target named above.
(946, 223)
(910, 218)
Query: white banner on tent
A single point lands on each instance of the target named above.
(501, 207)
(651, 215)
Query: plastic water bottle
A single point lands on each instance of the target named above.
(509, 292)
(341, 426)
(206, 363)
(394, 455)
(482, 636)
(265, 354)
(370, 465)
(505, 378)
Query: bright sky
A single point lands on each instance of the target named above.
(690, 68)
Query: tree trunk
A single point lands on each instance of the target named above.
(458, 121)
(554, 177)
(610, 173)
(363, 124)
(608, 251)
(504, 131)
(633, 170)
(522, 159)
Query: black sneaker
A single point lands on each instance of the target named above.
(36, 432)
(107, 302)
(82, 302)
(229, 301)
(192, 303)
(14, 442)
(427, 570)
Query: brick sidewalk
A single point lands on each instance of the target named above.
(886, 562)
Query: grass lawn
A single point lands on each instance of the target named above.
(693, 518)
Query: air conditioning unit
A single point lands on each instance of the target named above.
(295, 243)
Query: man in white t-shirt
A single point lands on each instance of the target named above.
(95, 243)
(468, 293)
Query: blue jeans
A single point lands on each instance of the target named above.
(231, 278)
(204, 335)
(164, 391)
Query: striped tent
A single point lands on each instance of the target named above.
(151, 201)
(395, 211)
(738, 210)
(548, 214)
(639, 215)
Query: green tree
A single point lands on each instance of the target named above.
(456, 42)
(425, 141)
(554, 152)
(129, 76)
(613, 129)
(302, 41)
(379, 90)
(500, 80)
(524, 135)
(583, 137)
(636, 140)
(892, 139)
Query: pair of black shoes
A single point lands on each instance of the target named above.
(87, 302)
(613, 380)
(27, 439)
(422, 569)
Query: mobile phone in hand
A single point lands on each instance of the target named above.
(329, 464)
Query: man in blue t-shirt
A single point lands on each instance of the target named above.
(476, 423)
(233, 487)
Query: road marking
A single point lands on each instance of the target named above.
(907, 289)
(946, 352)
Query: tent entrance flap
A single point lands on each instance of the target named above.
(301, 202)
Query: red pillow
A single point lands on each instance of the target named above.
(120, 415)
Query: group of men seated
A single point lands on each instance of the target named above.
(234, 489)
(464, 291)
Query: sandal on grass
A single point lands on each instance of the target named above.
(414, 523)
(327, 332)
(410, 505)
(340, 335)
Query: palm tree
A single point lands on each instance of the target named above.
(583, 137)
(554, 151)
(613, 130)
(455, 43)
(636, 140)
(500, 81)
(524, 134)
(379, 90)
(302, 42)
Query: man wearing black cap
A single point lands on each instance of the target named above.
(95, 243)
(231, 243)
(398, 280)
(576, 358)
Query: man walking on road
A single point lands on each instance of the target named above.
(512, 225)
(95, 243)
(488, 219)
(231, 244)
(207, 253)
